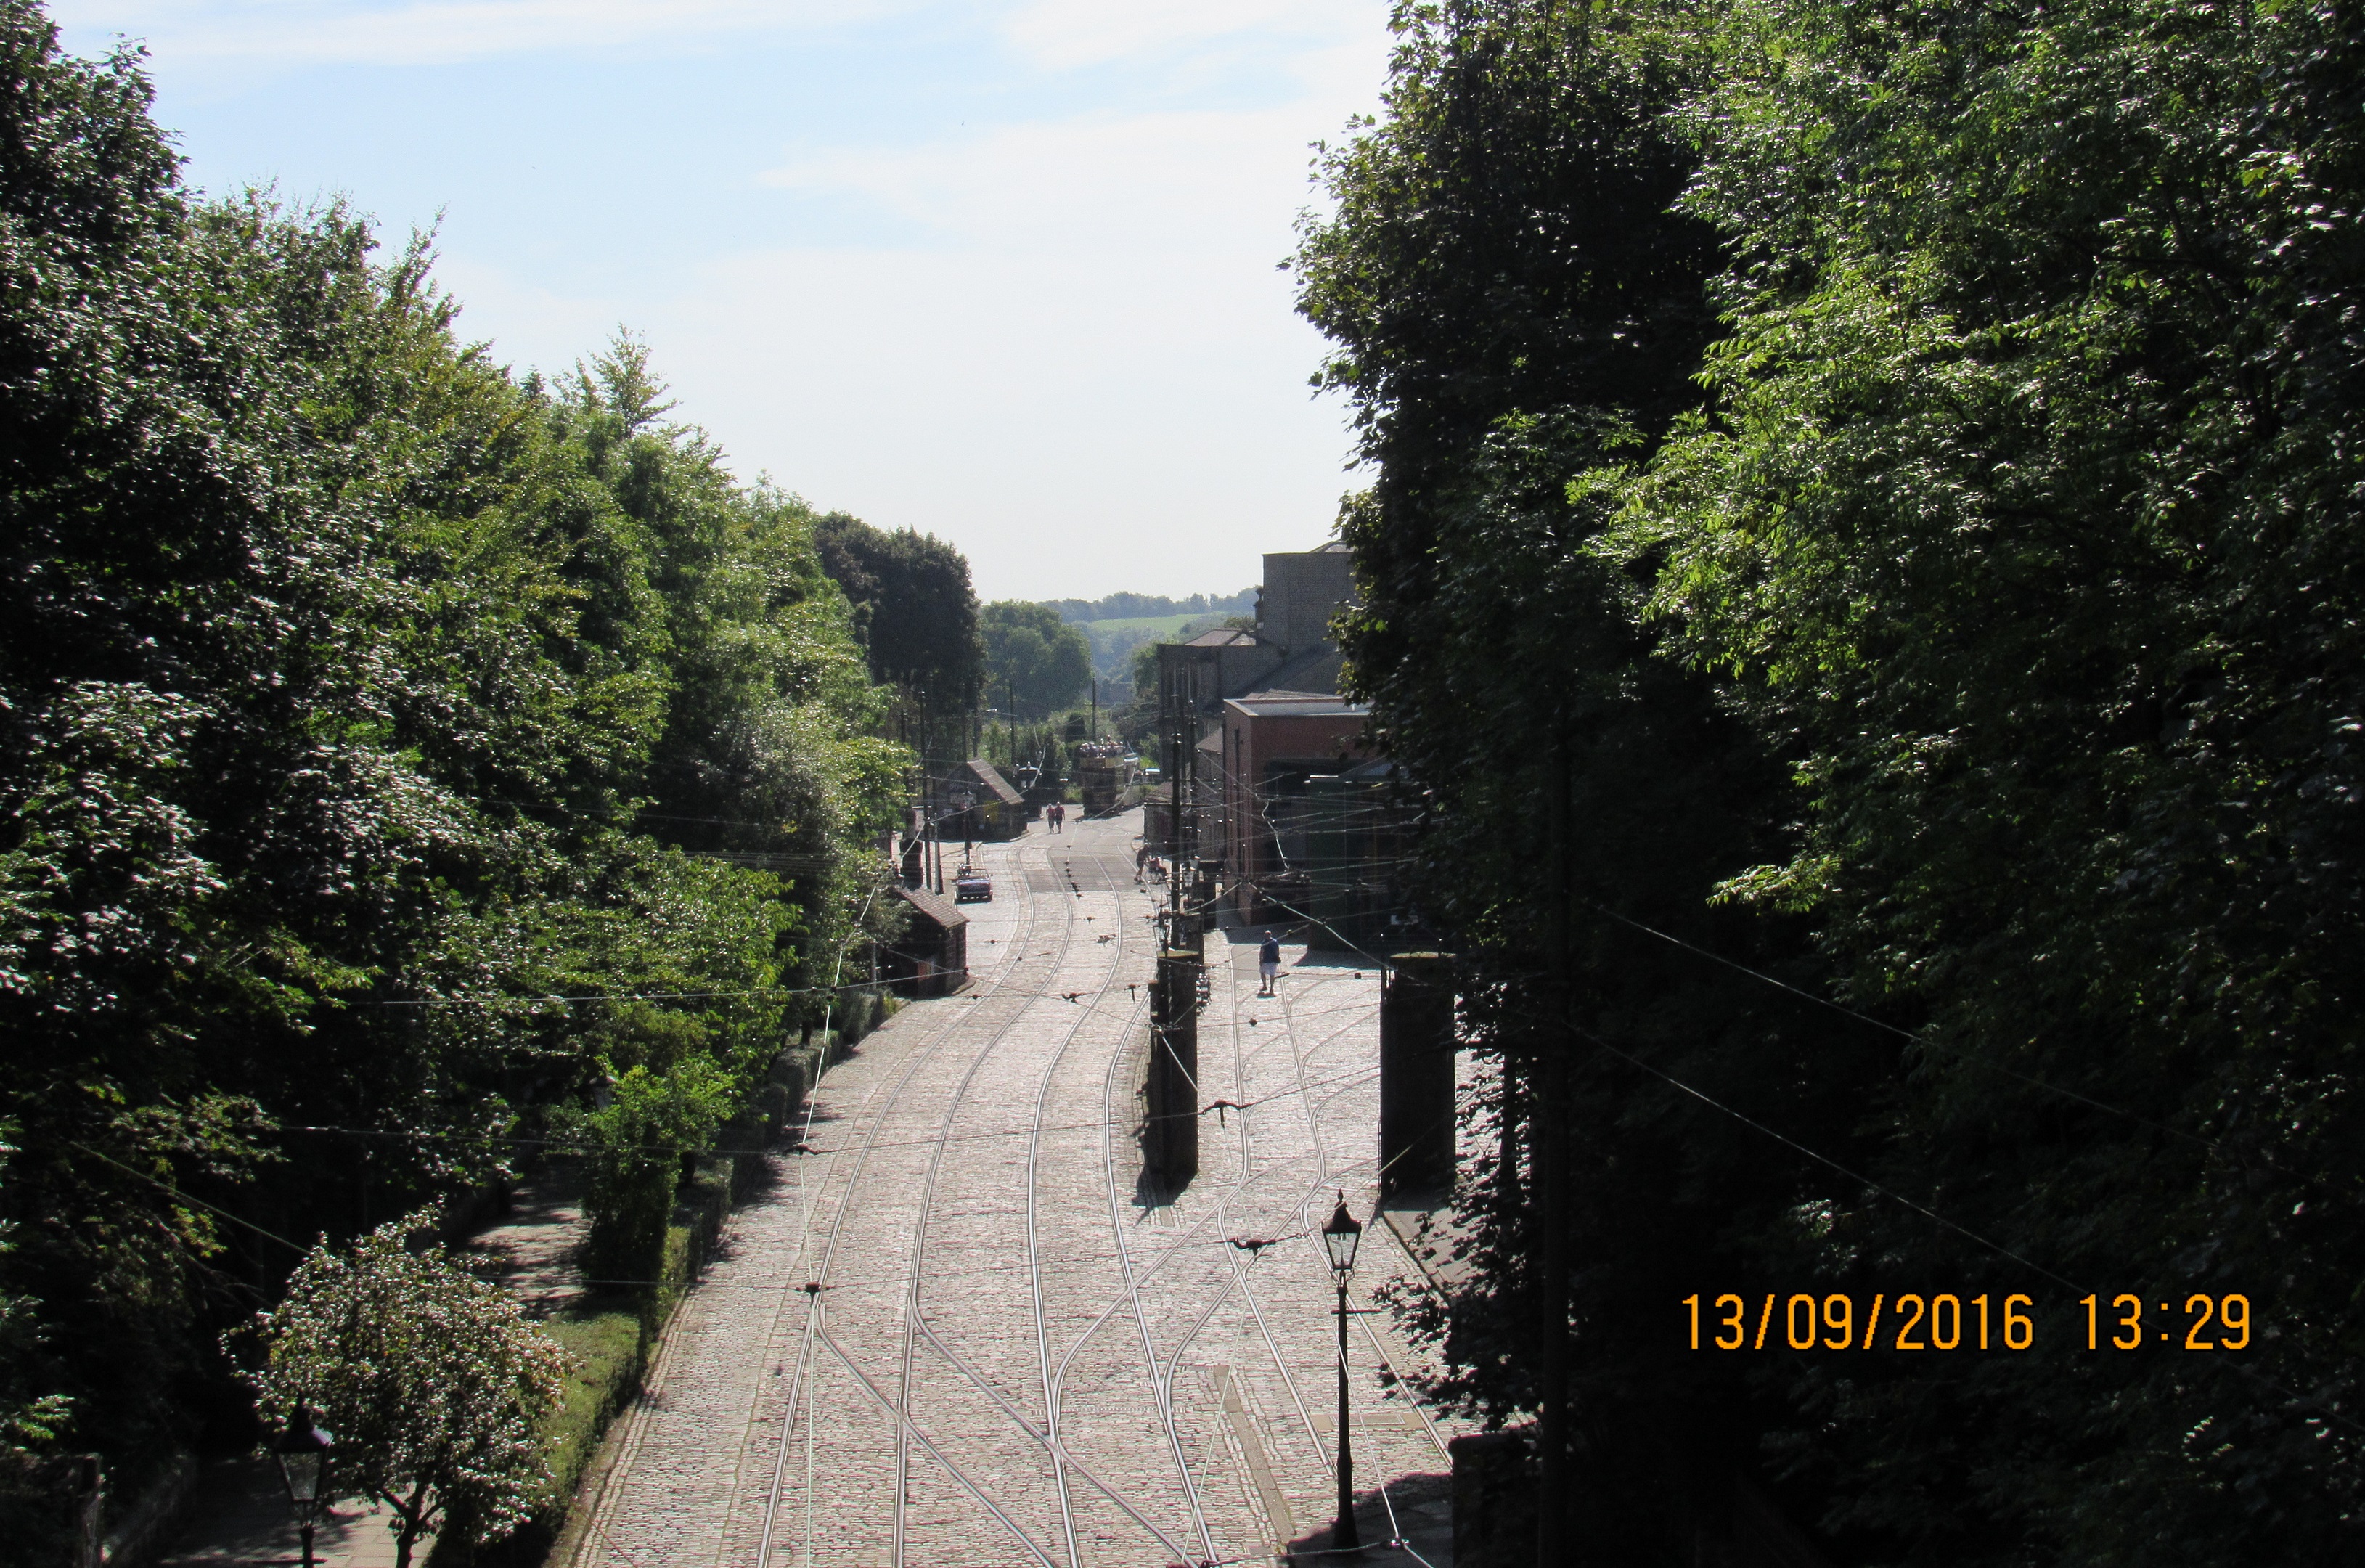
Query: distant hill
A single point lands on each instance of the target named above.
(1142, 606)
(1114, 638)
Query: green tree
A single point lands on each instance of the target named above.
(380, 735)
(1512, 302)
(432, 1382)
(637, 1139)
(914, 609)
(2028, 506)
(1857, 492)
(1033, 657)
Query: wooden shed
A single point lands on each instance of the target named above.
(931, 958)
(985, 804)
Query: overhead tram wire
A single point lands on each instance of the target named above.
(1997, 1247)
(801, 1387)
(1964, 1052)
(912, 1305)
(566, 1146)
(1918, 1038)
(189, 1198)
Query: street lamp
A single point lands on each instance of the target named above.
(1339, 1238)
(302, 1451)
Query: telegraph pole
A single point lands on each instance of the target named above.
(1171, 1148)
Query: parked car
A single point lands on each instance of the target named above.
(972, 887)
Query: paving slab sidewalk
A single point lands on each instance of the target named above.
(242, 1520)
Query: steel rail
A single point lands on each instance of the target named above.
(1182, 1243)
(1162, 1391)
(1035, 1263)
(906, 1425)
(799, 1389)
(918, 1265)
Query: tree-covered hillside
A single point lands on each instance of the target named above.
(1134, 606)
(372, 722)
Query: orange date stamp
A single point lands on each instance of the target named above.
(1946, 1320)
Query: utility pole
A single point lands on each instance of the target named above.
(1096, 709)
(1174, 805)
(1171, 1148)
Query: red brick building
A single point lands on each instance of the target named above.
(1270, 744)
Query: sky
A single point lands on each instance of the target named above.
(1005, 272)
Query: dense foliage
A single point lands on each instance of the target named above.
(384, 745)
(1035, 663)
(1871, 492)
(914, 609)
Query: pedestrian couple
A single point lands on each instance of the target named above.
(1268, 963)
(1055, 813)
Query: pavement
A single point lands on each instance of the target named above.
(240, 1519)
(966, 1330)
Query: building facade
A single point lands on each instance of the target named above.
(1289, 652)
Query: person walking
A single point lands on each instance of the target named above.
(1268, 962)
(1058, 813)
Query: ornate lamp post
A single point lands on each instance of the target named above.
(302, 1451)
(1339, 1238)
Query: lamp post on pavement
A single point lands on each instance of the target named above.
(1339, 1238)
(302, 1451)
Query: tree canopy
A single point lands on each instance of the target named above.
(1031, 658)
(383, 738)
(430, 1381)
(1134, 606)
(914, 609)
(1864, 501)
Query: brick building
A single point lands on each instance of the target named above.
(1278, 842)
(1288, 653)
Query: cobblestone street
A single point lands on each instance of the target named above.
(961, 1330)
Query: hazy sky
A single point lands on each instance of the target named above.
(1002, 272)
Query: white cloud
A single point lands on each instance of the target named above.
(1081, 366)
(1172, 181)
(441, 32)
(1067, 33)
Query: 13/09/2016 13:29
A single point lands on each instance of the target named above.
(1946, 1321)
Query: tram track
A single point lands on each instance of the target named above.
(916, 1320)
(799, 1390)
(909, 1429)
(1162, 1391)
(1370, 1337)
(1044, 1436)
(928, 1252)
(918, 1267)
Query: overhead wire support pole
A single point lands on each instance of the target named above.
(1344, 1536)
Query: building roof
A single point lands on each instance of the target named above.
(1224, 637)
(1298, 705)
(937, 909)
(1315, 670)
(996, 784)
